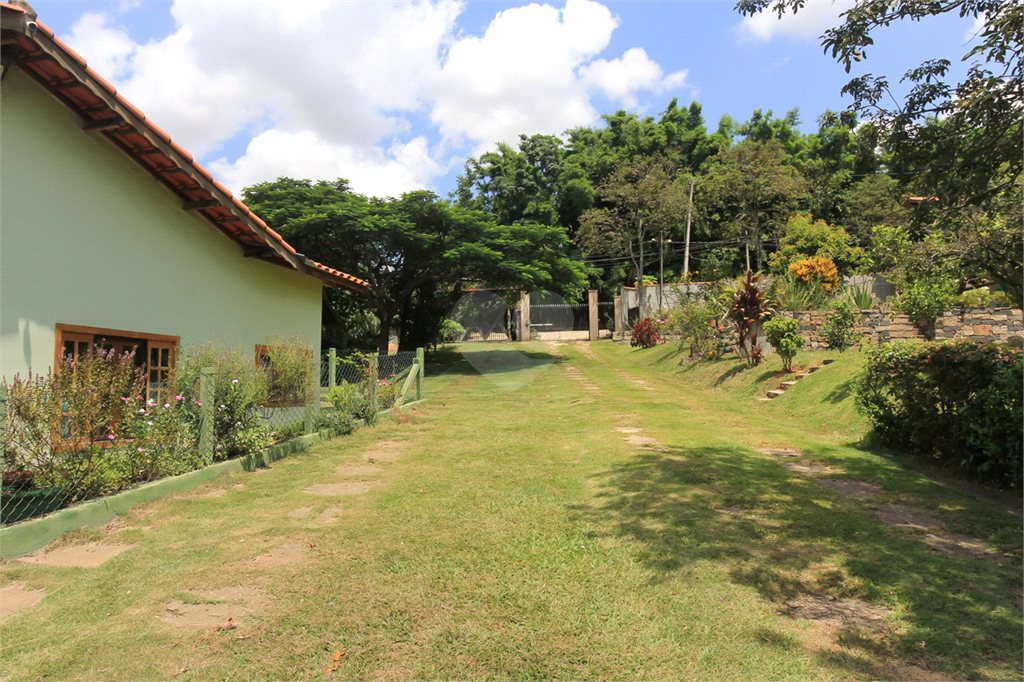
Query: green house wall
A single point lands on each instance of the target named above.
(89, 238)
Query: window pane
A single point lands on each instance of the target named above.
(83, 348)
(165, 357)
(69, 348)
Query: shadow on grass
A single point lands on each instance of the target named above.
(783, 535)
(841, 392)
(492, 360)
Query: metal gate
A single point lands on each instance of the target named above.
(560, 322)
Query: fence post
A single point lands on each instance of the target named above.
(419, 374)
(618, 315)
(206, 414)
(311, 399)
(592, 309)
(371, 376)
(332, 368)
(3, 414)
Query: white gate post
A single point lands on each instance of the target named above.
(524, 316)
(593, 315)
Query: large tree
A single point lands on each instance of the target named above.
(639, 199)
(752, 187)
(965, 140)
(413, 247)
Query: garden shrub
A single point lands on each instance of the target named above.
(803, 237)
(292, 429)
(974, 298)
(645, 335)
(791, 294)
(784, 336)
(288, 364)
(838, 330)
(959, 403)
(240, 389)
(694, 325)
(926, 299)
(450, 331)
(332, 423)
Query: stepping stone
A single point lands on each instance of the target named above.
(827, 361)
(775, 394)
(778, 452)
(803, 375)
(347, 488)
(850, 489)
(906, 516)
(789, 384)
(15, 597)
(76, 556)
(628, 429)
(807, 467)
(814, 369)
(764, 400)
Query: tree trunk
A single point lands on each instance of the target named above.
(757, 241)
(384, 333)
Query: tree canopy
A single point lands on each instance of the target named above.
(416, 248)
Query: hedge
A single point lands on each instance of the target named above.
(958, 402)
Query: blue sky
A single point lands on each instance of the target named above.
(394, 97)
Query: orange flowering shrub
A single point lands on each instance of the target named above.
(816, 270)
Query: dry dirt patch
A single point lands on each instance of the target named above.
(807, 468)
(75, 556)
(385, 451)
(354, 469)
(628, 429)
(779, 453)
(850, 489)
(283, 554)
(961, 545)
(300, 512)
(905, 516)
(836, 611)
(217, 607)
(641, 440)
(343, 488)
(329, 515)
(15, 597)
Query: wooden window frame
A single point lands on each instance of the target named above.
(92, 335)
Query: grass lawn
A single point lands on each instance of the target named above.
(606, 516)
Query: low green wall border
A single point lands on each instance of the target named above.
(28, 536)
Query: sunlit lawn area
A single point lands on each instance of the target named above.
(507, 529)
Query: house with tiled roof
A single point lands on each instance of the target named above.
(111, 230)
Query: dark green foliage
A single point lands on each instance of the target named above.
(784, 335)
(331, 423)
(838, 330)
(645, 334)
(957, 402)
(292, 429)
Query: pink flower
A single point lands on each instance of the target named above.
(223, 405)
(234, 381)
(140, 449)
(111, 436)
(199, 403)
(179, 397)
(124, 400)
(140, 397)
(167, 404)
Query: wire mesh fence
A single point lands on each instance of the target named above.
(114, 428)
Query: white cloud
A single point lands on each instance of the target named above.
(976, 28)
(371, 171)
(620, 79)
(811, 21)
(337, 88)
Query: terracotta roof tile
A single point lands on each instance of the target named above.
(101, 80)
(71, 53)
(173, 172)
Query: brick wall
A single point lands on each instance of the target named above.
(982, 324)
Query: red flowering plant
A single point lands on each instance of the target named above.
(645, 334)
(750, 307)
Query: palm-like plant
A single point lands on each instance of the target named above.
(750, 307)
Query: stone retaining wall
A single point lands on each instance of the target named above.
(982, 324)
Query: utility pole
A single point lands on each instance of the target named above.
(686, 258)
(661, 267)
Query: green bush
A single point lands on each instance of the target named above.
(784, 336)
(694, 325)
(332, 423)
(957, 402)
(838, 330)
(292, 429)
(348, 399)
(926, 300)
